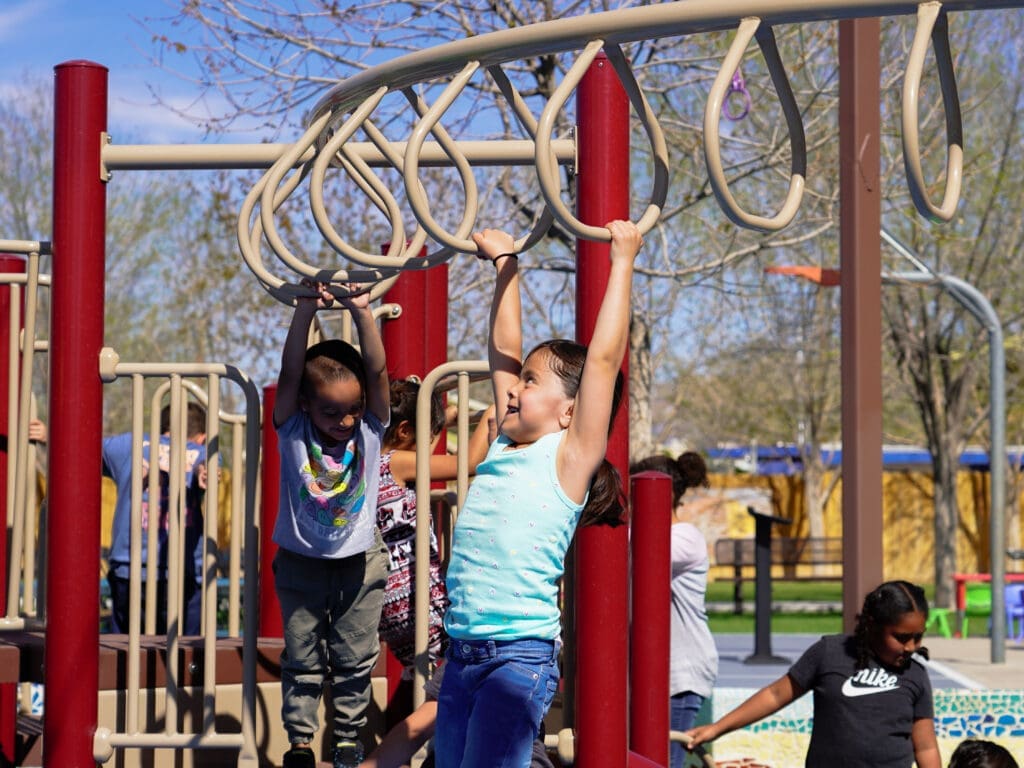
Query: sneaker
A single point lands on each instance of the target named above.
(348, 754)
(299, 757)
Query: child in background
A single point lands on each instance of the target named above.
(980, 753)
(694, 658)
(330, 412)
(872, 698)
(117, 464)
(396, 519)
(543, 474)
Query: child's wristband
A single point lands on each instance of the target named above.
(504, 255)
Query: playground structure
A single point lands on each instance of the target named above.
(605, 89)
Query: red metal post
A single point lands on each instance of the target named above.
(405, 337)
(76, 415)
(270, 623)
(861, 320)
(649, 640)
(602, 559)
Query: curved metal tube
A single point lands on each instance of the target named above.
(547, 170)
(529, 124)
(712, 117)
(932, 23)
(659, 148)
(414, 188)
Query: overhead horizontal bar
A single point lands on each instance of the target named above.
(158, 157)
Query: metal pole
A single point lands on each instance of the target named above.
(602, 557)
(76, 415)
(971, 299)
(763, 588)
(650, 635)
(861, 322)
(270, 623)
(405, 337)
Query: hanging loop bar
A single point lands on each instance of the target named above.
(932, 23)
(545, 218)
(414, 189)
(547, 168)
(797, 142)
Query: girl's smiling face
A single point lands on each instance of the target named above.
(537, 402)
(893, 644)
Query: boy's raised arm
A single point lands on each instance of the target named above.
(293, 359)
(371, 347)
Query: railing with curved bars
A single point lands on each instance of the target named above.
(349, 106)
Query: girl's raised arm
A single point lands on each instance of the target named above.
(586, 441)
(505, 342)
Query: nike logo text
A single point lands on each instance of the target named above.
(868, 681)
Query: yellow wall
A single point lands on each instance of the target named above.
(908, 516)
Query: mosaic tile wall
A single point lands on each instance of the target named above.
(780, 741)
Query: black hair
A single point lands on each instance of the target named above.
(195, 420)
(403, 408)
(687, 471)
(883, 607)
(329, 361)
(980, 753)
(606, 500)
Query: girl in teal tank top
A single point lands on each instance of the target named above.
(544, 474)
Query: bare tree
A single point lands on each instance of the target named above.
(267, 61)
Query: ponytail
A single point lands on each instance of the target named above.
(606, 499)
(606, 502)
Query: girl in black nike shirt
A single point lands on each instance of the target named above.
(872, 698)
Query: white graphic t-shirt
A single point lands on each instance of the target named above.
(328, 497)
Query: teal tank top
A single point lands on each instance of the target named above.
(509, 545)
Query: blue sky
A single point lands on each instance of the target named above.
(36, 35)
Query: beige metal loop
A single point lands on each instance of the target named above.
(526, 119)
(659, 148)
(333, 153)
(547, 170)
(278, 172)
(414, 188)
(270, 193)
(932, 23)
(712, 117)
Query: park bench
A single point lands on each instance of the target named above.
(792, 559)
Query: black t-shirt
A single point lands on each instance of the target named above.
(862, 717)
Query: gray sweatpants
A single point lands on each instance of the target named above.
(330, 611)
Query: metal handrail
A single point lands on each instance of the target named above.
(105, 741)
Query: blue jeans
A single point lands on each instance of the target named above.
(492, 701)
(682, 715)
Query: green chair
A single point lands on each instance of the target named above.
(939, 618)
(977, 603)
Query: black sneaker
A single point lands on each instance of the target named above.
(299, 757)
(348, 754)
